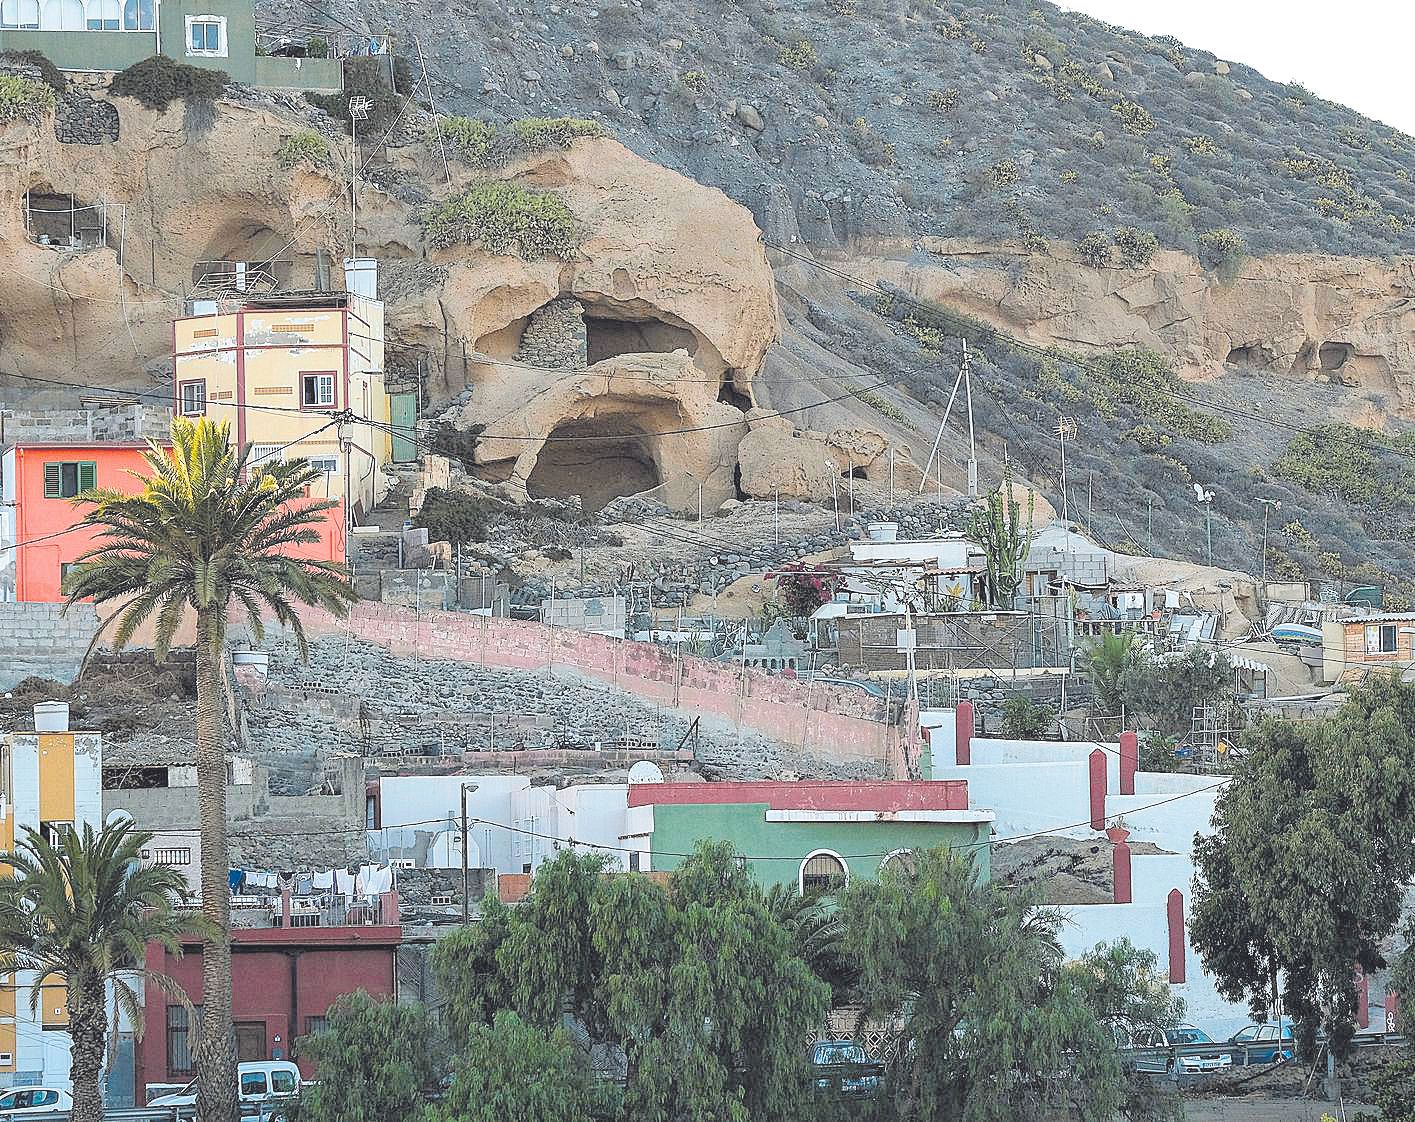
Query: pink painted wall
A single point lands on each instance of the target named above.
(832, 722)
(949, 794)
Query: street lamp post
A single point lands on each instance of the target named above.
(1268, 506)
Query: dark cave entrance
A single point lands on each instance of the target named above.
(606, 338)
(596, 459)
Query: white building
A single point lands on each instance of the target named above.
(512, 826)
(1036, 786)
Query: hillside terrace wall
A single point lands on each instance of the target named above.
(832, 722)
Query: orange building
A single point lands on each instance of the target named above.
(39, 479)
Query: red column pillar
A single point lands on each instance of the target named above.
(1175, 910)
(1098, 780)
(1363, 999)
(1129, 758)
(963, 725)
(1120, 860)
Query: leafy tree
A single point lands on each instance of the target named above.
(1304, 873)
(697, 986)
(1025, 719)
(511, 1070)
(1105, 661)
(998, 527)
(205, 531)
(1395, 1091)
(1163, 690)
(82, 913)
(375, 1058)
(995, 1027)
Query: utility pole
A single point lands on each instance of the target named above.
(1065, 427)
(776, 518)
(359, 108)
(1206, 500)
(964, 379)
(891, 475)
(466, 884)
(1269, 505)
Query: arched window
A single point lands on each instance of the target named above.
(104, 15)
(900, 863)
(19, 13)
(138, 15)
(62, 15)
(823, 873)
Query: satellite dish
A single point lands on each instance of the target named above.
(645, 771)
(119, 818)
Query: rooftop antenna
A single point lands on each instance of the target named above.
(359, 108)
(964, 379)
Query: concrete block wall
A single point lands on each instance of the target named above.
(40, 640)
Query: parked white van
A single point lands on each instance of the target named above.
(260, 1081)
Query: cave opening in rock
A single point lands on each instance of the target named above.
(1249, 356)
(59, 219)
(729, 394)
(854, 473)
(1333, 356)
(249, 256)
(596, 459)
(606, 337)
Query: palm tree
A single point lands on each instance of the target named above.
(819, 937)
(1106, 660)
(205, 532)
(83, 912)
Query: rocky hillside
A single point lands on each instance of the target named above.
(1198, 267)
(894, 119)
(1061, 183)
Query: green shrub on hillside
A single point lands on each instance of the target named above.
(1004, 174)
(49, 74)
(157, 81)
(1134, 118)
(1136, 247)
(1354, 465)
(505, 218)
(1094, 249)
(801, 55)
(944, 100)
(1202, 146)
(304, 147)
(469, 139)
(880, 405)
(1222, 250)
(23, 100)
(539, 134)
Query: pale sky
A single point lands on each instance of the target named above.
(1354, 52)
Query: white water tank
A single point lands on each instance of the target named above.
(361, 276)
(883, 531)
(51, 716)
(258, 661)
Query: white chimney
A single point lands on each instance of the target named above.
(51, 716)
(361, 276)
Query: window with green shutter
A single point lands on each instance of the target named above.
(65, 480)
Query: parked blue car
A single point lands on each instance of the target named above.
(1265, 1043)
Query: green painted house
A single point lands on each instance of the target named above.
(812, 834)
(111, 35)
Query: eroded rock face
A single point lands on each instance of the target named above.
(1345, 320)
(778, 458)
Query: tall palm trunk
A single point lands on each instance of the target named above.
(88, 1034)
(216, 1051)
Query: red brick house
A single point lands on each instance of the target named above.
(283, 979)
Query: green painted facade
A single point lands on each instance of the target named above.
(117, 50)
(678, 827)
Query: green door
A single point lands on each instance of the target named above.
(404, 407)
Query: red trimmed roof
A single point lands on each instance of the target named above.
(809, 794)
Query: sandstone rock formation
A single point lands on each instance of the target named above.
(776, 458)
(1346, 320)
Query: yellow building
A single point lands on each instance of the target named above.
(297, 374)
(52, 781)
